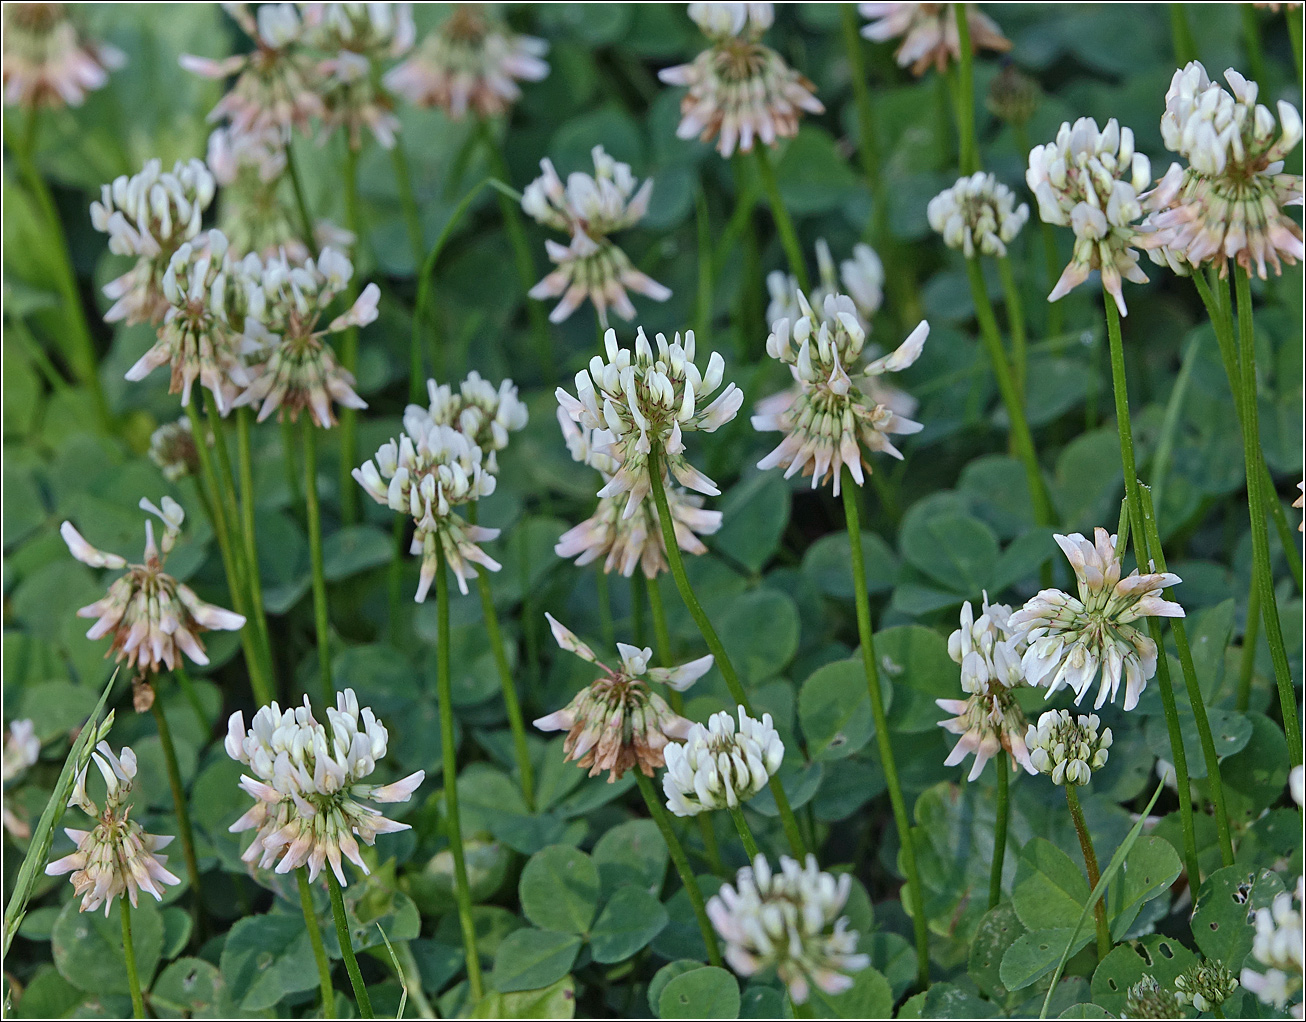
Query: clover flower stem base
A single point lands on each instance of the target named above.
(965, 95)
(347, 946)
(1090, 866)
(1000, 830)
(783, 224)
(449, 758)
(408, 202)
(349, 348)
(297, 187)
(1134, 509)
(677, 852)
(179, 804)
(852, 516)
(727, 669)
(745, 834)
(129, 957)
(245, 464)
(83, 355)
(511, 704)
(1256, 499)
(313, 510)
(521, 251)
(315, 939)
(1180, 632)
(1015, 322)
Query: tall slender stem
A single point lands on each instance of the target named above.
(245, 463)
(1134, 504)
(129, 957)
(179, 804)
(1181, 35)
(969, 155)
(1000, 831)
(867, 151)
(301, 204)
(783, 224)
(1253, 458)
(449, 757)
(1015, 322)
(321, 614)
(315, 938)
(1194, 689)
(521, 252)
(347, 946)
(677, 852)
(852, 515)
(1090, 865)
(408, 203)
(1247, 664)
(349, 349)
(745, 835)
(727, 669)
(1020, 433)
(703, 299)
(607, 628)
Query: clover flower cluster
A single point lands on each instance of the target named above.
(617, 722)
(740, 90)
(22, 748)
(308, 782)
(1228, 202)
(1090, 180)
(929, 32)
(427, 474)
(719, 768)
(1149, 999)
(591, 265)
(486, 415)
(1066, 748)
(173, 450)
(638, 403)
(989, 720)
(1205, 986)
(152, 617)
(1069, 640)
(250, 170)
(830, 422)
(978, 214)
(471, 62)
(149, 215)
(789, 920)
(1279, 942)
(48, 62)
(861, 278)
(116, 856)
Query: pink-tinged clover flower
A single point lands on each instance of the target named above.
(929, 32)
(48, 62)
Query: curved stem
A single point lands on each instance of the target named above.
(783, 224)
(347, 946)
(1000, 831)
(129, 958)
(969, 155)
(852, 516)
(246, 467)
(179, 804)
(1015, 322)
(408, 202)
(1253, 458)
(315, 938)
(449, 757)
(745, 835)
(349, 349)
(677, 852)
(1134, 504)
(1090, 865)
(321, 615)
(297, 187)
(727, 669)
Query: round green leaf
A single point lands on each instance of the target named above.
(1222, 925)
(560, 889)
(957, 551)
(531, 959)
(1162, 958)
(631, 918)
(265, 958)
(1050, 889)
(88, 946)
(708, 992)
(835, 710)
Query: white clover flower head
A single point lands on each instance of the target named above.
(153, 618)
(789, 920)
(485, 414)
(357, 37)
(988, 720)
(834, 418)
(1205, 986)
(427, 474)
(22, 748)
(116, 856)
(1090, 180)
(471, 62)
(740, 91)
(278, 83)
(1227, 204)
(148, 216)
(861, 278)
(929, 32)
(978, 215)
(48, 62)
(1069, 640)
(299, 371)
(374, 30)
(637, 401)
(618, 722)
(719, 768)
(308, 781)
(1277, 948)
(1066, 748)
(173, 450)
